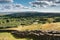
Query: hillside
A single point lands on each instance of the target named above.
(33, 14)
(28, 18)
(31, 23)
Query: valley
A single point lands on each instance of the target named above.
(30, 22)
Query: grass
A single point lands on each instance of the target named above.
(43, 27)
(51, 27)
(30, 24)
(29, 27)
(8, 36)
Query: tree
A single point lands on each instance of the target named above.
(7, 20)
(50, 20)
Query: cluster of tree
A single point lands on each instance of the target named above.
(10, 21)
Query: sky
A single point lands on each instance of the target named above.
(23, 2)
(30, 5)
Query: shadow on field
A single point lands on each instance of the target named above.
(30, 35)
(34, 37)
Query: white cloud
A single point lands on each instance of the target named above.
(37, 6)
(45, 3)
(12, 7)
(7, 7)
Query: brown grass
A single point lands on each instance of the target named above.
(43, 27)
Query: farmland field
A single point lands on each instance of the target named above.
(32, 22)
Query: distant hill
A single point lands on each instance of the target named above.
(31, 14)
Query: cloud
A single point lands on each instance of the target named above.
(45, 3)
(35, 5)
(12, 7)
(4, 1)
(17, 6)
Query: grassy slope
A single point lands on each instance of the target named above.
(43, 27)
(8, 36)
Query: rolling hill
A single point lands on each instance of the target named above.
(18, 14)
